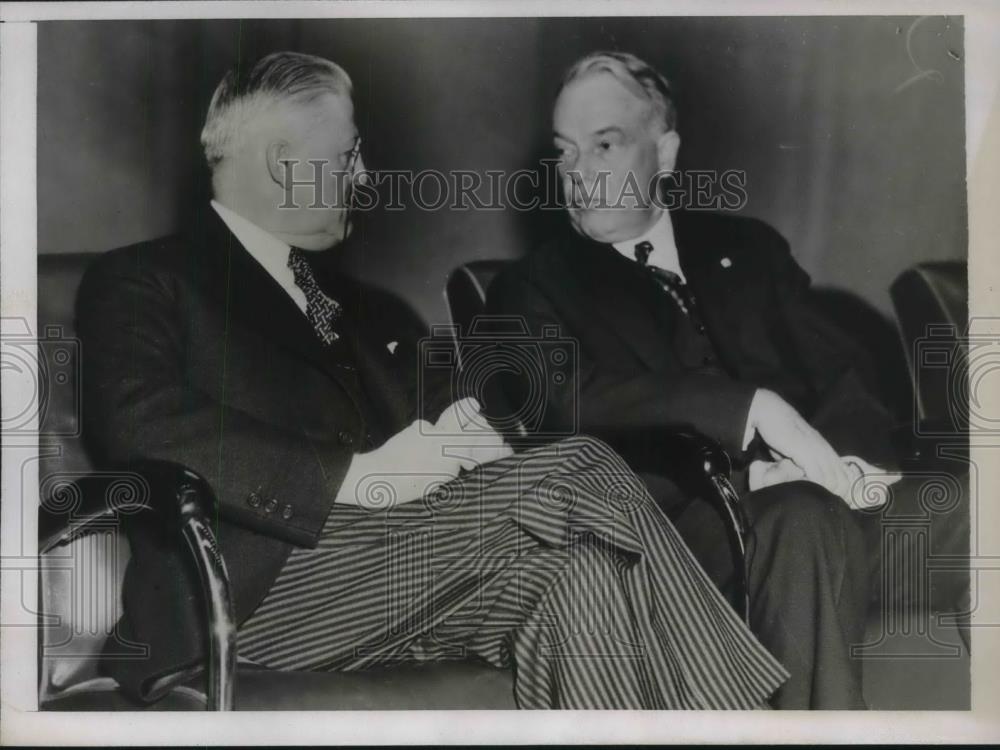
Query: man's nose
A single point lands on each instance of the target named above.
(579, 163)
(585, 169)
(579, 183)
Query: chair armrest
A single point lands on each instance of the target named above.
(678, 451)
(934, 445)
(700, 467)
(186, 500)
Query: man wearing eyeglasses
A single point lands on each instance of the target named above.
(361, 524)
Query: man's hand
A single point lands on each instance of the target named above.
(464, 434)
(422, 456)
(868, 484)
(789, 436)
(765, 473)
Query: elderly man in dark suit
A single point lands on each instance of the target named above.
(691, 318)
(360, 522)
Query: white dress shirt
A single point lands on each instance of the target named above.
(661, 237)
(266, 249)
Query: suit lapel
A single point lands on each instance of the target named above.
(617, 289)
(717, 283)
(375, 339)
(253, 299)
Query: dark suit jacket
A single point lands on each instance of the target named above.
(193, 353)
(756, 306)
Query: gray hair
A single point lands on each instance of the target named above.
(279, 77)
(639, 77)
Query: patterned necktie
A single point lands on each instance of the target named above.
(669, 280)
(320, 309)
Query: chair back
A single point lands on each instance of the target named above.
(488, 369)
(466, 290)
(80, 581)
(59, 362)
(932, 308)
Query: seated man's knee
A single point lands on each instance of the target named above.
(591, 446)
(804, 511)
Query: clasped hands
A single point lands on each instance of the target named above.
(426, 455)
(422, 457)
(800, 452)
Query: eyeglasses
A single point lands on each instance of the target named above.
(353, 154)
(352, 162)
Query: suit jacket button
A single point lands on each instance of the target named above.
(253, 500)
(270, 506)
(286, 512)
(346, 438)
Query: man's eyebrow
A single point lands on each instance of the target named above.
(597, 133)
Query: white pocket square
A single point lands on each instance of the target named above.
(391, 346)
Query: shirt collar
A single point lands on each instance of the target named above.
(265, 248)
(661, 237)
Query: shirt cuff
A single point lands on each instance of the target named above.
(749, 431)
(748, 435)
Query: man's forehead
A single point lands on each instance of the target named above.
(333, 107)
(596, 102)
(328, 117)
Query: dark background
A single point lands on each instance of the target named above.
(850, 129)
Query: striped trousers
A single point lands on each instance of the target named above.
(554, 562)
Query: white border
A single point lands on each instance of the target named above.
(20, 724)
(18, 562)
(162, 9)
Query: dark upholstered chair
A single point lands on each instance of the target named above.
(84, 554)
(932, 306)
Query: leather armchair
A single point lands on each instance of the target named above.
(931, 301)
(184, 500)
(84, 553)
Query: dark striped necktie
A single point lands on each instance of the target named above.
(320, 309)
(670, 281)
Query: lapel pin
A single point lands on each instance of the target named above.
(391, 346)
(726, 263)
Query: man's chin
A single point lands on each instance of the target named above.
(600, 226)
(327, 239)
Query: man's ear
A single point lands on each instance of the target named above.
(666, 150)
(275, 153)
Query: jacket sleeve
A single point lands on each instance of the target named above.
(842, 402)
(595, 398)
(139, 404)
